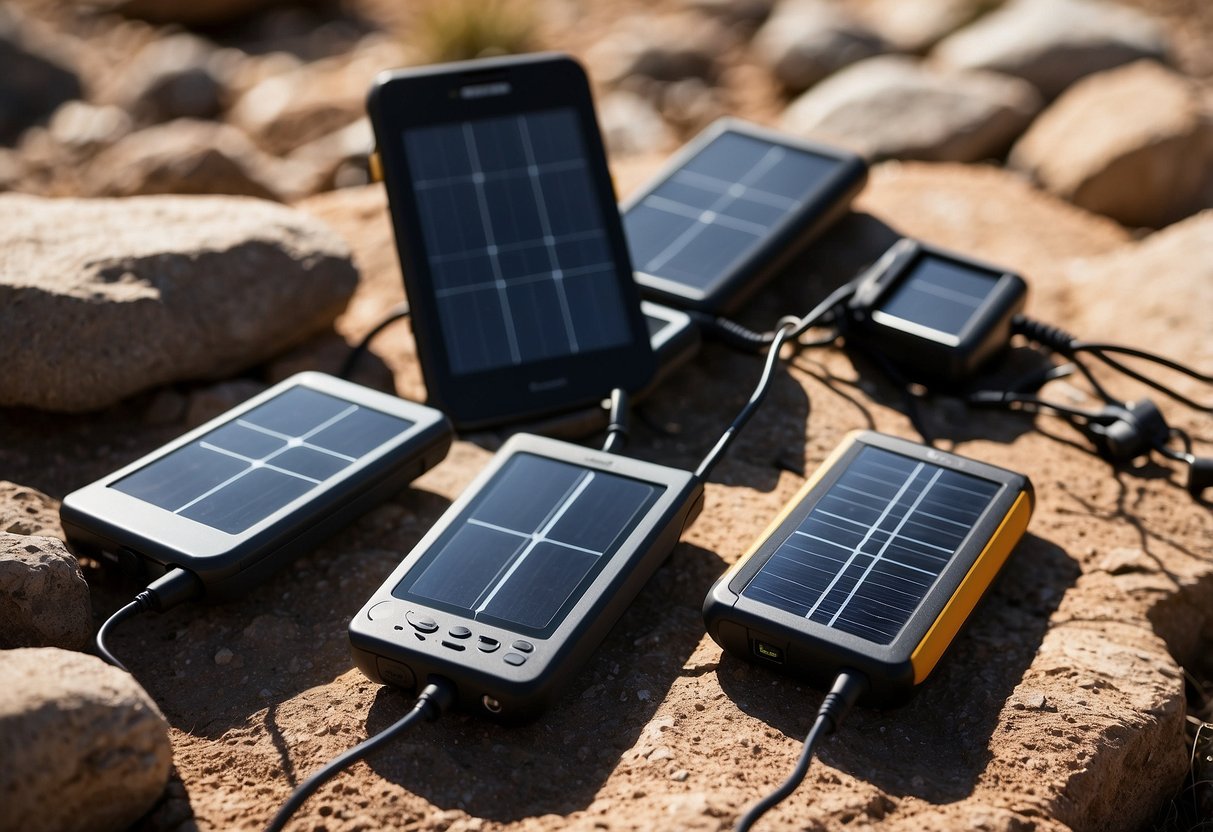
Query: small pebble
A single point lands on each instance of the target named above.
(223, 656)
(680, 776)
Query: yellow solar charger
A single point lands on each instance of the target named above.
(873, 567)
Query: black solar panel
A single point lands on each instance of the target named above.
(872, 546)
(939, 295)
(242, 472)
(717, 209)
(537, 531)
(520, 258)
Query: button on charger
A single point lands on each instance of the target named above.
(523, 646)
(487, 645)
(459, 632)
(514, 659)
(421, 623)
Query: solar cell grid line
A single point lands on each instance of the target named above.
(253, 466)
(502, 298)
(706, 218)
(873, 544)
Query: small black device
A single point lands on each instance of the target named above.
(730, 209)
(872, 568)
(238, 497)
(936, 314)
(524, 575)
(513, 254)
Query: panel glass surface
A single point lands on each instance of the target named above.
(517, 247)
(873, 545)
(713, 212)
(940, 295)
(238, 474)
(537, 532)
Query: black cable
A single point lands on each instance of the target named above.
(400, 310)
(172, 588)
(782, 333)
(847, 688)
(432, 703)
(1144, 379)
(742, 338)
(617, 427)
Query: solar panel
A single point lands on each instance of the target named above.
(522, 265)
(938, 295)
(872, 546)
(240, 473)
(536, 532)
(717, 209)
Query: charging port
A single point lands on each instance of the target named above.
(768, 651)
(490, 704)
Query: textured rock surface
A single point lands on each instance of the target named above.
(180, 76)
(893, 107)
(84, 747)
(806, 40)
(155, 289)
(1134, 143)
(184, 157)
(660, 47)
(26, 510)
(917, 26)
(1053, 43)
(44, 601)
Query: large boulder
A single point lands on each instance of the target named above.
(102, 298)
(1053, 43)
(28, 511)
(44, 600)
(806, 40)
(35, 79)
(84, 747)
(1134, 143)
(894, 107)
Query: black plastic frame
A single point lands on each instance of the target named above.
(404, 99)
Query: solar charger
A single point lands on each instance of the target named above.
(236, 498)
(524, 575)
(730, 209)
(509, 237)
(873, 567)
(937, 315)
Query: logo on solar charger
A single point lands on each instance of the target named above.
(550, 384)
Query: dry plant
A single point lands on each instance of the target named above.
(455, 30)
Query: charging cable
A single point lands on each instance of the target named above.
(433, 701)
(174, 587)
(617, 431)
(400, 310)
(848, 687)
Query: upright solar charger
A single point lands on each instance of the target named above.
(522, 578)
(865, 578)
(512, 249)
(732, 208)
(219, 509)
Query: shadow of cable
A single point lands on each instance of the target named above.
(935, 747)
(558, 763)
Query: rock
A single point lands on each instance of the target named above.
(690, 104)
(631, 125)
(197, 13)
(745, 13)
(338, 160)
(28, 511)
(85, 129)
(84, 747)
(659, 47)
(173, 77)
(806, 40)
(1053, 43)
(893, 107)
(184, 157)
(36, 79)
(1134, 144)
(12, 169)
(44, 600)
(153, 290)
(916, 27)
(287, 110)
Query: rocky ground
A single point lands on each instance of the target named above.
(1070, 140)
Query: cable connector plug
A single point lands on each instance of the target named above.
(172, 588)
(1038, 332)
(1129, 430)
